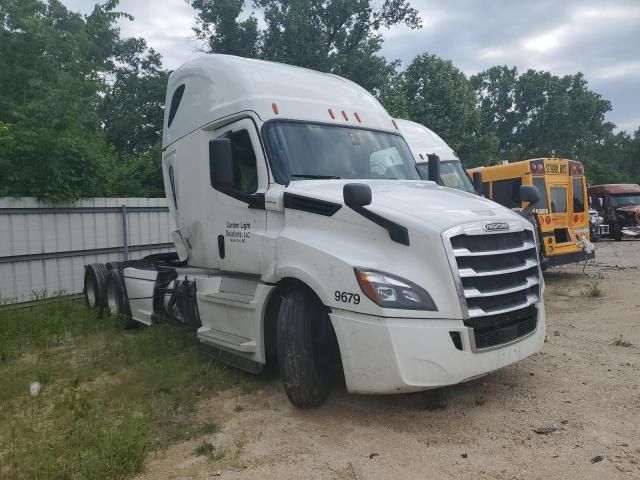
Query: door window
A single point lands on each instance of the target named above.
(245, 168)
(558, 199)
(578, 195)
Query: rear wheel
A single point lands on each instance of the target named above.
(306, 348)
(617, 232)
(95, 277)
(116, 301)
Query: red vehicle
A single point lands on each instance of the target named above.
(619, 205)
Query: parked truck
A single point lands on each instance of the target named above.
(304, 234)
(619, 207)
(425, 143)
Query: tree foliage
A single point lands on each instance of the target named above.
(337, 36)
(81, 107)
(437, 94)
(76, 101)
(537, 114)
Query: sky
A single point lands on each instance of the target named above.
(598, 38)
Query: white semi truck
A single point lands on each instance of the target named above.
(425, 143)
(305, 234)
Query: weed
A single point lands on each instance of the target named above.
(594, 290)
(238, 408)
(205, 449)
(209, 428)
(620, 342)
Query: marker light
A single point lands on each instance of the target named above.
(333, 115)
(394, 124)
(344, 115)
(549, 240)
(274, 107)
(389, 291)
(421, 156)
(355, 114)
(547, 220)
(575, 218)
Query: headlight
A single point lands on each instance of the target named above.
(389, 291)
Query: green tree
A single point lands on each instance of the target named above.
(218, 25)
(539, 114)
(336, 36)
(439, 96)
(132, 109)
(49, 98)
(65, 69)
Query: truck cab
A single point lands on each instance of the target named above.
(305, 234)
(424, 142)
(619, 207)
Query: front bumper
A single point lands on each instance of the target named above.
(566, 258)
(396, 355)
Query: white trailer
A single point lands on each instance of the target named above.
(304, 233)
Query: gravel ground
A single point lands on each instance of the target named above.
(581, 394)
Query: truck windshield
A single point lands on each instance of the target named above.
(619, 200)
(454, 176)
(451, 173)
(300, 151)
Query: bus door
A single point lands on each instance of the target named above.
(559, 204)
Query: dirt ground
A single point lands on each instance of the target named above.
(585, 385)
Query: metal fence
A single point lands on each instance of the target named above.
(44, 246)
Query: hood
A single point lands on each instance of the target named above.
(412, 200)
(633, 210)
(629, 208)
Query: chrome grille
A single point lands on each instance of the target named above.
(499, 281)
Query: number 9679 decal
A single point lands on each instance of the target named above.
(347, 297)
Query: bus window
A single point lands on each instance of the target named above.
(578, 196)
(541, 185)
(486, 189)
(507, 192)
(558, 199)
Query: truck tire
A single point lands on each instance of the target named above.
(116, 301)
(306, 380)
(95, 278)
(617, 232)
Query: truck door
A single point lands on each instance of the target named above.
(239, 216)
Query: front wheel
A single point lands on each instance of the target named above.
(305, 357)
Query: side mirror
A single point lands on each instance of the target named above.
(477, 183)
(529, 193)
(220, 163)
(356, 195)
(434, 168)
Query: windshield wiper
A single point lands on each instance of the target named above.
(317, 177)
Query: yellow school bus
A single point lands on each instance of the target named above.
(562, 213)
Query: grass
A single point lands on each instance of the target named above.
(108, 395)
(594, 290)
